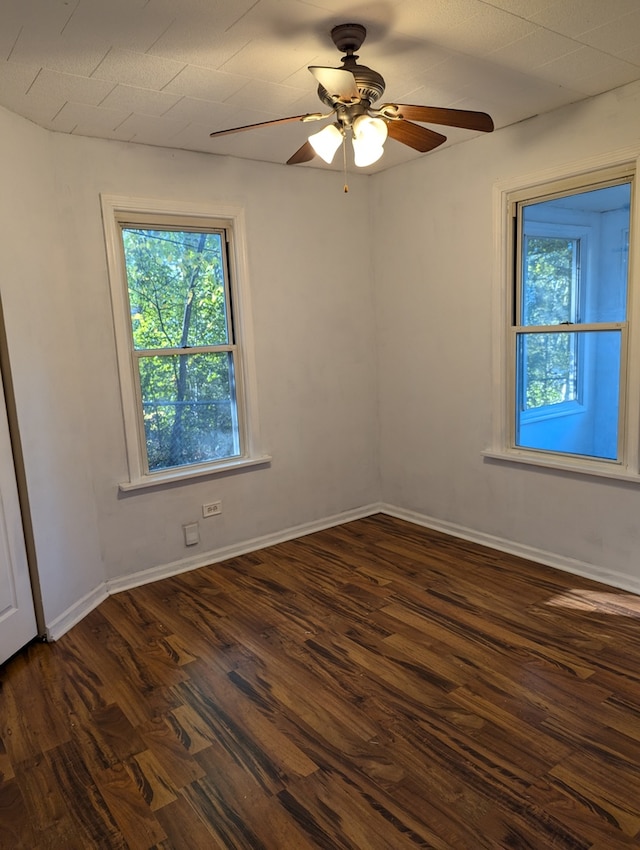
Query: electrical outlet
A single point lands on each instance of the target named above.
(212, 509)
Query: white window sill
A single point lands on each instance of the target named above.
(185, 473)
(566, 464)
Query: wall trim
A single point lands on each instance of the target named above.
(84, 606)
(531, 553)
(76, 612)
(204, 559)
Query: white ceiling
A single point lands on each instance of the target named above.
(168, 72)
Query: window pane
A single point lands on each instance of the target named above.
(588, 425)
(548, 369)
(189, 409)
(176, 288)
(575, 257)
(550, 280)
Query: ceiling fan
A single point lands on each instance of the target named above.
(351, 92)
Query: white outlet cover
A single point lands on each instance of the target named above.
(191, 534)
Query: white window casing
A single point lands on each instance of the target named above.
(143, 212)
(535, 188)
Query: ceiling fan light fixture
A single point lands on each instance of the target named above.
(369, 136)
(365, 154)
(326, 142)
(370, 130)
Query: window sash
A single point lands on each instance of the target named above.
(233, 401)
(224, 236)
(512, 381)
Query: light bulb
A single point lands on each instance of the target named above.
(326, 142)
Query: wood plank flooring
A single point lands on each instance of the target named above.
(376, 685)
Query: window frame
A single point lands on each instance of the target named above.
(119, 211)
(579, 177)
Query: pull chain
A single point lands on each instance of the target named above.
(344, 161)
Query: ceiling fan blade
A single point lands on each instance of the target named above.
(337, 81)
(304, 154)
(419, 138)
(464, 118)
(312, 116)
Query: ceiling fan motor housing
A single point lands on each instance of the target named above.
(348, 38)
(370, 83)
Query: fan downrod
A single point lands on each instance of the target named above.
(348, 37)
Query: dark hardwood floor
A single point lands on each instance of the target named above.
(376, 685)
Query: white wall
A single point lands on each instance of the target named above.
(314, 334)
(434, 274)
(40, 310)
(313, 321)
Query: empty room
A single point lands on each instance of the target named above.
(320, 434)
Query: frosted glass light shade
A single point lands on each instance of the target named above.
(326, 142)
(364, 154)
(371, 130)
(369, 135)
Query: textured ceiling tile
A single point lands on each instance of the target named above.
(617, 73)
(9, 32)
(206, 84)
(137, 69)
(535, 49)
(87, 120)
(193, 41)
(275, 66)
(297, 23)
(588, 70)
(572, 19)
(487, 31)
(121, 23)
(16, 77)
(220, 15)
(218, 116)
(271, 96)
(151, 130)
(632, 55)
(56, 85)
(143, 101)
(46, 18)
(524, 8)
(302, 79)
(616, 36)
(59, 52)
(432, 18)
(383, 11)
(18, 81)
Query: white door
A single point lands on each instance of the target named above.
(17, 616)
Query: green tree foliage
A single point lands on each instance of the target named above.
(178, 304)
(548, 298)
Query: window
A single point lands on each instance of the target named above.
(549, 376)
(570, 397)
(181, 333)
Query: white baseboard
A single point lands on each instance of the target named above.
(203, 559)
(76, 612)
(550, 559)
(81, 608)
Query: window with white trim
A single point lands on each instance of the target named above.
(180, 321)
(567, 371)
